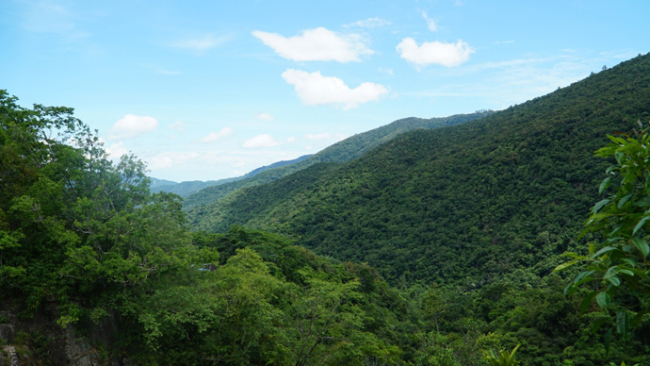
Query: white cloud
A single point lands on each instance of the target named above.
(116, 150)
(369, 23)
(265, 117)
(431, 24)
(131, 126)
(168, 159)
(318, 44)
(178, 126)
(199, 44)
(260, 141)
(212, 136)
(318, 136)
(446, 54)
(315, 89)
(291, 139)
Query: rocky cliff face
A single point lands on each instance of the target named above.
(39, 341)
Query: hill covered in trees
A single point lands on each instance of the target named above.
(343, 151)
(469, 203)
(94, 269)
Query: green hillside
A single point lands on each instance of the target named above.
(343, 151)
(187, 188)
(469, 203)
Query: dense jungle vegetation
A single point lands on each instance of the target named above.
(465, 223)
(343, 151)
(490, 202)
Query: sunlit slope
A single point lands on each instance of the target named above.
(343, 151)
(472, 201)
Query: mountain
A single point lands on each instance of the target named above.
(187, 188)
(278, 164)
(469, 203)
(343, 151)
(156, 184)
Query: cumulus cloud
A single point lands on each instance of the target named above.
(116, 150)
(199, 44)
(446, 54)
(131, 126)
(431, 24)
(315, 89)
(265, 117)
(370, 23)
(260, 141)
(214, 136)
(291, 139)
(318, 44)
(168, 159)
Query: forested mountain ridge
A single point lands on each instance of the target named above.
(469, 203)
(94, 269)
(342, 151)
(187, 188)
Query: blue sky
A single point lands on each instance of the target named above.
(213, 89)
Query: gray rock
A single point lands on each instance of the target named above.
(7, 333)
(13, 356)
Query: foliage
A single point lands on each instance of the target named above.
(619, 268)
(469, 203)
(343, 151)
(502, 358)
(483, 209)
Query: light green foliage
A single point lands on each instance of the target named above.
(617, 268)
(502, 358)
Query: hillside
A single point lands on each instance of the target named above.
(343, 151)
(187, 188)
(469, 203)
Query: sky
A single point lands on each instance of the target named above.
(204, 90)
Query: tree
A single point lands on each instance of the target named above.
(618, 266)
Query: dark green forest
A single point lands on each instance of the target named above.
(343, 151)
(438, 247)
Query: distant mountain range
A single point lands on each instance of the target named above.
(186, 188)
(343, 151)
(470, 202)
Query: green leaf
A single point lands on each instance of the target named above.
(603, 299)
(604, 185)
(637, 319)
(587, 301)
(564, 266)
(598, 323)
(614, 281)
(610, 272)
(624, 200)
(600, 205)
(642, 246)
(625, 272)
(640, 224)
(622, 322)
(629, 261)
(603, 251)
